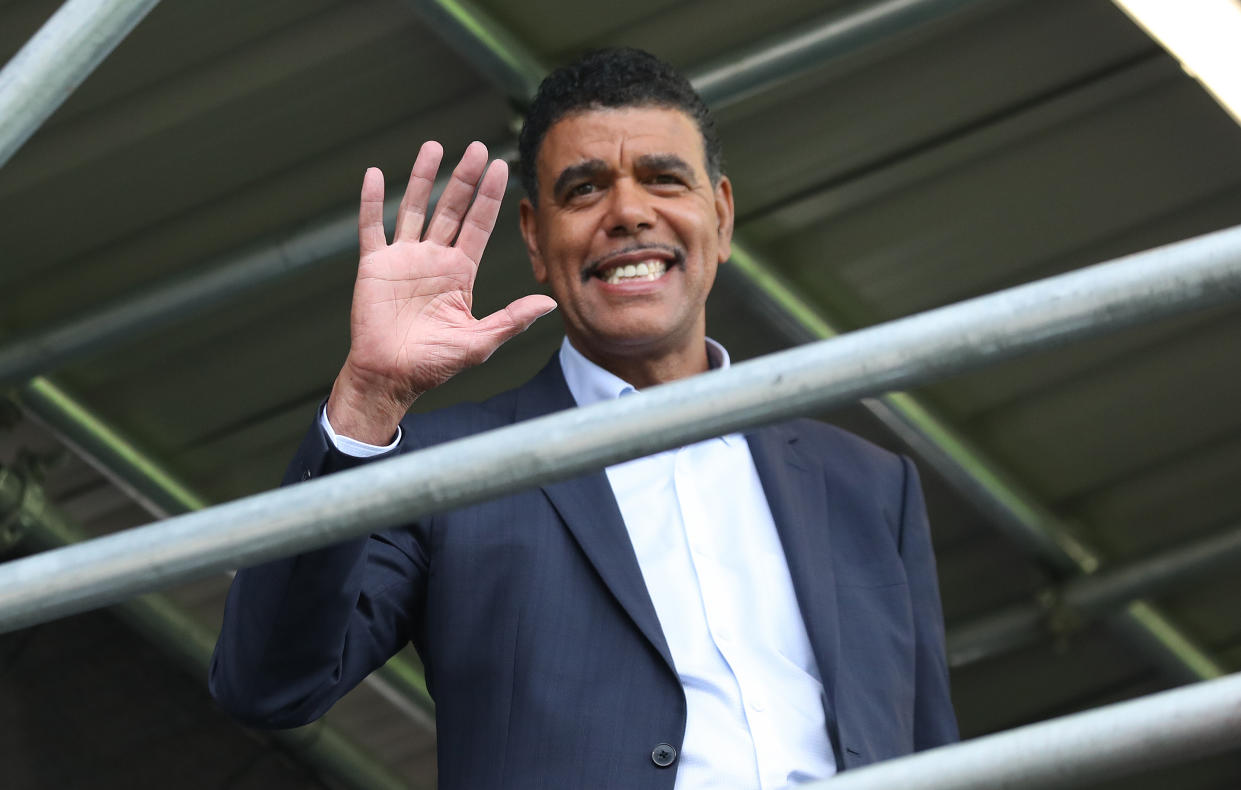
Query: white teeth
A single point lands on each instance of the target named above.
(644, 270)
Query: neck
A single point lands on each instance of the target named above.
(650, 367)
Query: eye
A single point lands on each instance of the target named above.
(667, 179)
(578, 190)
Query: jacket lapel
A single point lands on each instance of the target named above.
(796, 493)
(588, 508)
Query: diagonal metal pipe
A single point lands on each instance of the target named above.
(1013, 507)
(782, 58)
(1154, 284)
(56, 60)
(44, 526)
(1064, 609)
(163, 494)
(502, 59)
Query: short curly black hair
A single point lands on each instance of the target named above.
(614, 77)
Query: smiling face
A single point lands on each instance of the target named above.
(628, 231)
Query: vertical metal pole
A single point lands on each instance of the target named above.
(55, 61)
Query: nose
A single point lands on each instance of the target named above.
(629, 209)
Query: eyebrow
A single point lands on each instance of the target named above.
(582, 170)
(592, 168)
(668, 163)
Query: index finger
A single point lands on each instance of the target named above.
(371, 213)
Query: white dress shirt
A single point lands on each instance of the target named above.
(716, 573)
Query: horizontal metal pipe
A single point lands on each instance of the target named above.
(1118, 740)
(1140, 288)
(1091, 596)
(55, 61)
(177, 633)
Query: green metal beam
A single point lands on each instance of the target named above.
(160, 490)
(44, 526)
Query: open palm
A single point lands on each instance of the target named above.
(412, 327)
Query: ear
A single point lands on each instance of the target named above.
(726, 213)
(530, 232)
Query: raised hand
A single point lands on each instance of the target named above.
(411, 324)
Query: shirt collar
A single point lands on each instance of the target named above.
(590, 384)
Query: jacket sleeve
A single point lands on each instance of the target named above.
(300, 632)
(935, 722)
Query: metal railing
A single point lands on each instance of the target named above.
(160, 492)
(1142, 287)
(55, 60)
(1071, 751)
(25, 508)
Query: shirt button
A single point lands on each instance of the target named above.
(663, 755)
(757, 706)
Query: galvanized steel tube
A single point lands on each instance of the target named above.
(1094, 595)
(189, 642)
(1140, 288)
(55, 61)
(740, 75)
(1117, 740)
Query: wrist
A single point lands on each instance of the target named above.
(364, 409)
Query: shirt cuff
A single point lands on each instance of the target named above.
(352, 446)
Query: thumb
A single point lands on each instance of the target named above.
(503, 325)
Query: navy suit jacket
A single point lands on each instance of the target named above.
(541, 645)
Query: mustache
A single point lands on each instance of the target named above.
(592, 268)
